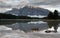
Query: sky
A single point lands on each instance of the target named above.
(6, 5)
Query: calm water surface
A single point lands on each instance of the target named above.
(27, 26)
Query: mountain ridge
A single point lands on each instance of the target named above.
(28, 10)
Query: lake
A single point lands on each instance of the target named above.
(32, 25)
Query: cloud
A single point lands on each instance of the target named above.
(9, 4)
(46, 2)
(12, 3)
(21, 3)
(2, 10)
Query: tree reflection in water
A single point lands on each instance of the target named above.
(52, 24)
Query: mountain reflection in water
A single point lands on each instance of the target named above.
(27, 26)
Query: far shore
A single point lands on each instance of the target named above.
(31, 19)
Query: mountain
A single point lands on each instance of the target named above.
(28, 10)
(14, 11)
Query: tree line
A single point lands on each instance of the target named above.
(53, 15)
(10, 16)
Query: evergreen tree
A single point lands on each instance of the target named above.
(50, 15)
(55, 14)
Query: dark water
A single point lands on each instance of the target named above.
(27, 26)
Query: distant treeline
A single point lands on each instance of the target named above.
(9, 16)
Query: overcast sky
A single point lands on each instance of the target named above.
(6, 5)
